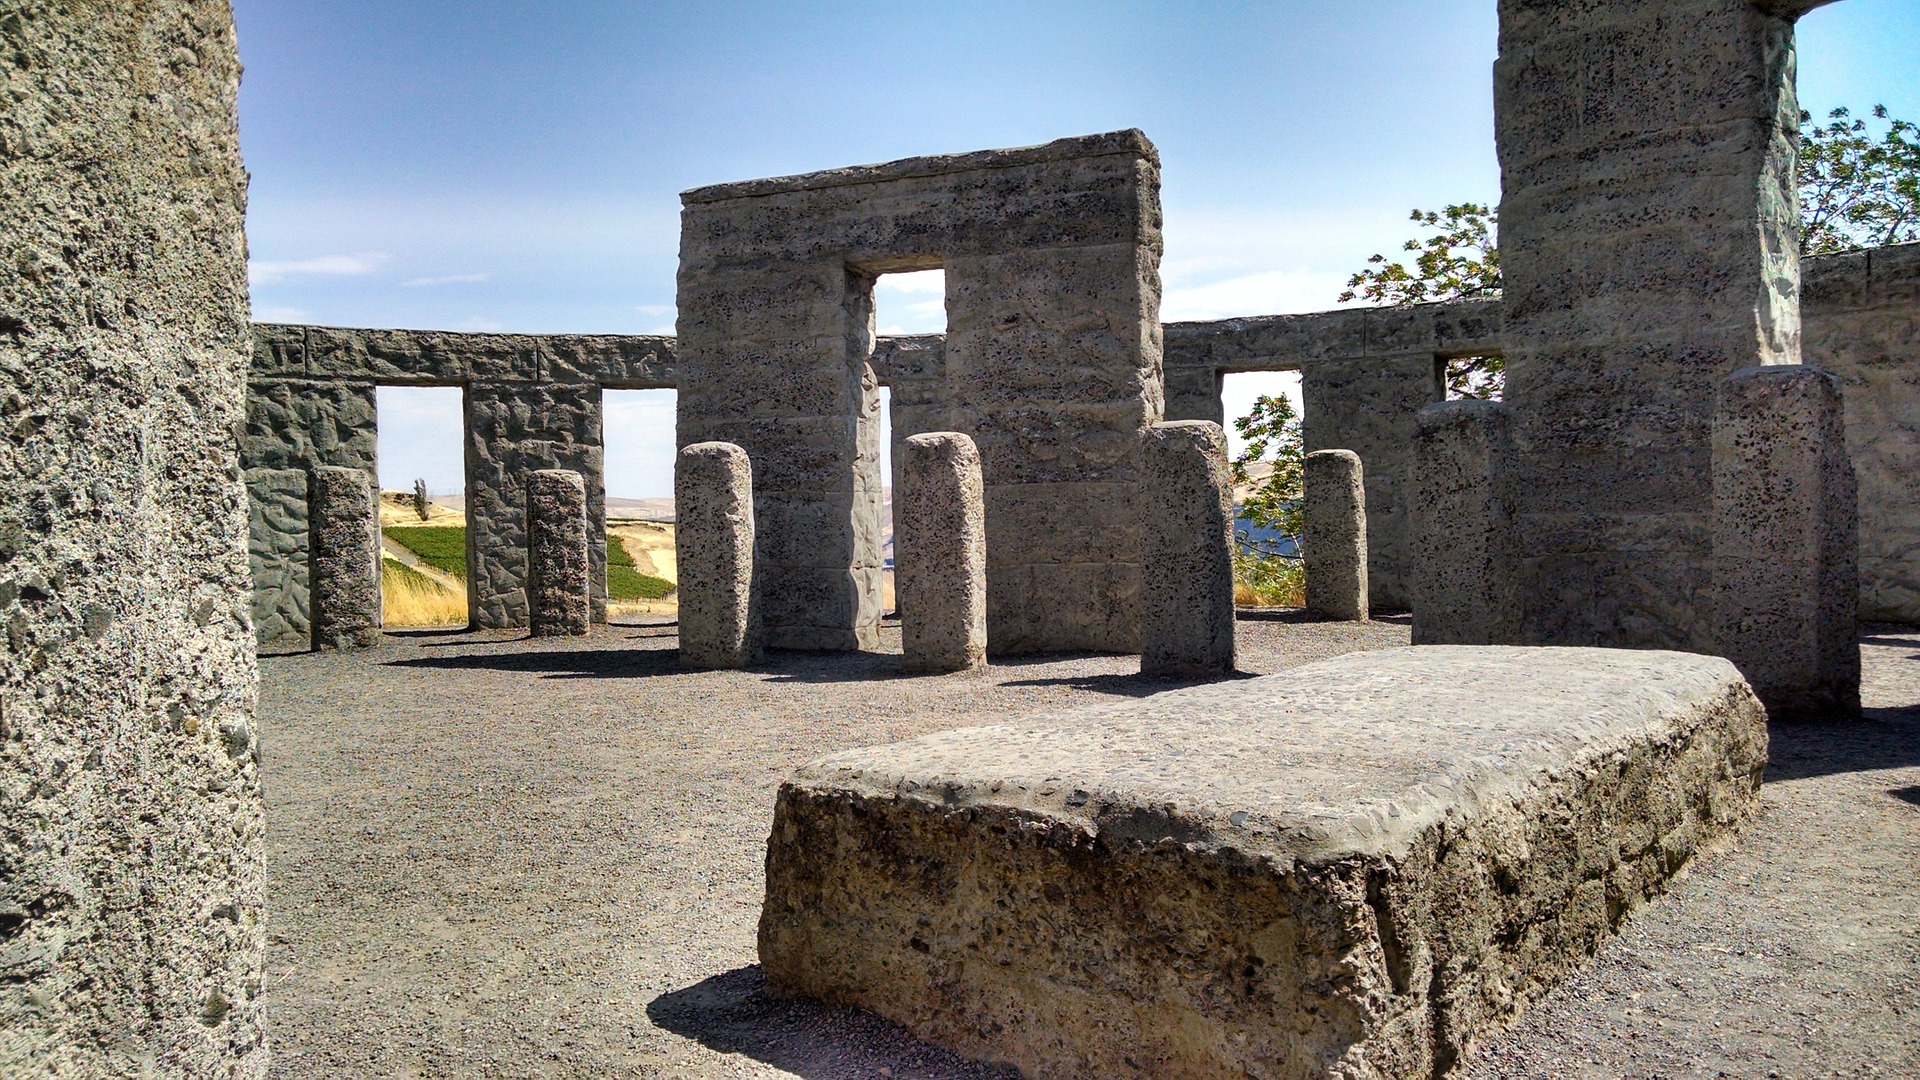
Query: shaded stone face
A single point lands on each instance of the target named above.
(940, 560)
(1785, 579)
(714, 549)
(1334, 534)
(1462, 516)
(1648, 248)
(131, 822)
(559, 587)
(1350, 868)
(344, 515)
(1051, 365)
(1186, 595)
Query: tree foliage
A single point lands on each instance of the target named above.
(1459, 262)
(1858, 187)
(1269, 468)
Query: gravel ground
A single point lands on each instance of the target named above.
(499, 857)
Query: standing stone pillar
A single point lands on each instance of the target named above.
(133, 907)
(940, 553)
(1186, 593)
(713, 540)
(1334, 535)
(1785, 541)
(345, 521)
(559, 589)
(1462, 569)
(1648, 249)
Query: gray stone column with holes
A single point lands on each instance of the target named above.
(1186, 512)
(940, 554)
(1462, 570)
(1648, 247)
(1334, 535)
(559, 589)
(1785, 541)
(133, 907)
(714, 547)
(344, 515)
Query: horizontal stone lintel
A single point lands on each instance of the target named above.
(1131, 141)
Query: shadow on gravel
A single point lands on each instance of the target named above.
(1906, 794)
(1125, 685)
(1880, 739)
(796, 666)
(733, 1014)
(583, 664)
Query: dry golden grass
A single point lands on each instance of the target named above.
(410, 598)
(650, 543)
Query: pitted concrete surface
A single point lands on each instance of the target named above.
(566, 882)
(1351, 756)
(1351, 869)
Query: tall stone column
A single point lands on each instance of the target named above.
(1334, 535)
(344, 519)
(713, 540)
(559, 589)
(1785, 541)
(1648, 244)
(1186, 592)
(940, 553)
(1463, 565)
(133, 933)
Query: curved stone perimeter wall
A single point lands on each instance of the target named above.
(533, 401)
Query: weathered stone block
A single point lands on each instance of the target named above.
(1647, 251)
(277, 557)
(344, 518)
(1463, 526)
(559, 591)
(1785, 576)
(513, 430)
(132, 854)
(714, 549)
(1334, 534)
(940, 554)
(1347, 869)
(1368, 404)
(1050, 364)
(1186, 591)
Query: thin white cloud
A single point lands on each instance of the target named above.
(450, 279)
(266, 272)
(914, 281)
(654, 309)
(282, 314)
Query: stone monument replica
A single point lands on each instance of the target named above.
(1051, 365)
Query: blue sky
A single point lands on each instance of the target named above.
(483, 165)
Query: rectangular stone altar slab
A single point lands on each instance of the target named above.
(1345, 870)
